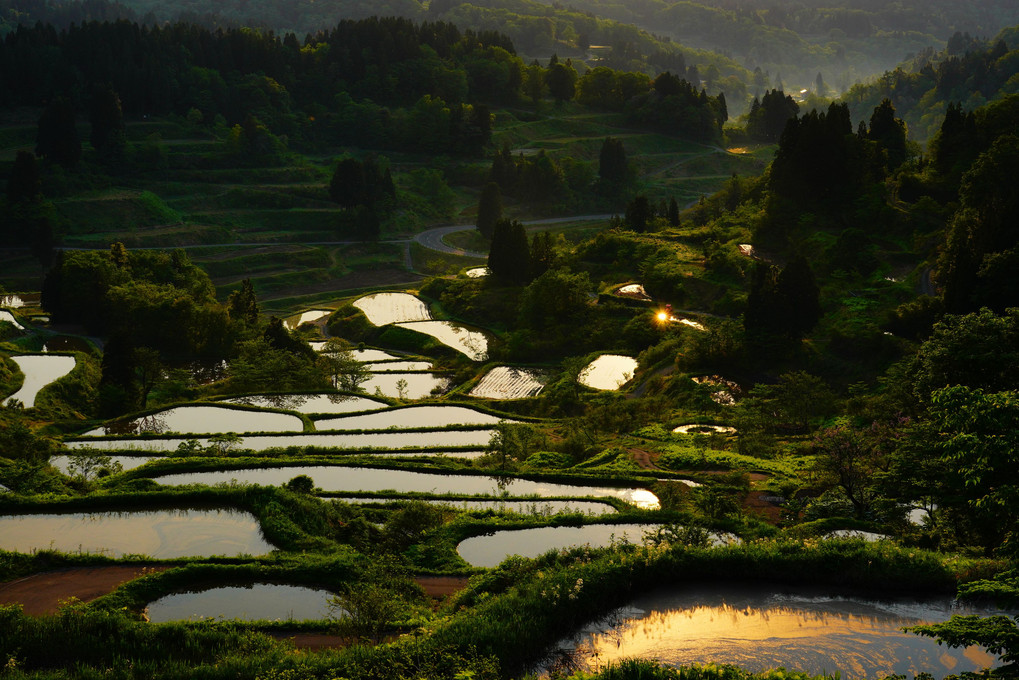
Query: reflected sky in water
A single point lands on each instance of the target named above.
(762, 628)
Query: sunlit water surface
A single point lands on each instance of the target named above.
(761, 628)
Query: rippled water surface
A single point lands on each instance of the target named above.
(760, 629)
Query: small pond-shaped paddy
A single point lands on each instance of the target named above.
(376, 440)
(508, 382)
(539, 508)
(418, 385)
(472, 343)
(256, 602)
(203, 420)
(759, 628)
(370, 480)
(633, 290)
(476, 272)
(387, 308)
(40, 370)
(491, 549)
(63, 463)
(161, 534)
(411, 416)
(311, 403)
(695, 428)
(608, 372)
(309, 316)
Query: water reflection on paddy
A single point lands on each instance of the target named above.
(378, 440)
(387, 308)
(364, 479)
(63, 463)
(509, 382)
(309, 316)
(204, 420)
(18, 300)
(760, 628)
(311, 403)
(418, 385)
(9, 318)
(541, 508)
(411, 416)
(255, 602)
(40, 370)
(491, 549)
(470, 342)
(157, 533)
(608, 372)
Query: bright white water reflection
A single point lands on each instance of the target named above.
(508, 382)
(608, 372)
(415, 385)
(540, 508)
(256, 602)
(472, 343)
(378, 440)
(760, 628)
(203, 420)
(40, 370)
(491, 549)
(386, 308)
(311, 403)
(398, 366)
(18, 300)
(296, 320)
(9, 318)
(157, 533)
(363, 479)
(412, 416)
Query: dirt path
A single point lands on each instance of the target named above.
(42, 593)
(644, 459)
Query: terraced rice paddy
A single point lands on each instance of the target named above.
(254, 602)
(386, 308)
(371, 440)
(372, 480)
(158, 533)
(6, 316)
(508, 382)
(311, 403)
(410, 417)
(491, 549)
(608, 372)
(40, 370)
(309, 316)
(203, 420)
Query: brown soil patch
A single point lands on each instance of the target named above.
(312, 641)
(42, 593)
(767, 510)
(441, 586)
(645, 459)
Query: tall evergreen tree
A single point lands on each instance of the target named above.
(638, 213)
(889, 132)
(489, 209)
(612, 166)
(509, 255)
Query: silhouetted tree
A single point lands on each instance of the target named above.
(23, 185)
(107, 119)
(509, 254)
(489, 209)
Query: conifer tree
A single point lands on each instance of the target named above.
(489, 209)
(509, 255)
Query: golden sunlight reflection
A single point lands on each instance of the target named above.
(761, 630)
